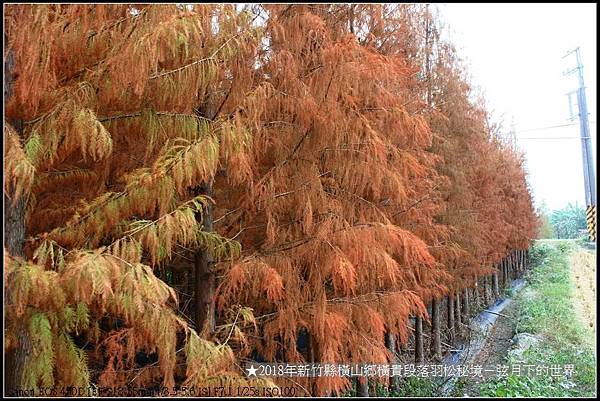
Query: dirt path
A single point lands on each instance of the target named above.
(495, 349)
(583, 277)
(498, 343)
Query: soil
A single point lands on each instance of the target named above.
(499, 340)
(495, 349)
(583, 277)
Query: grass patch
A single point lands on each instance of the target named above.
(459, 386)
(409, 387)
(547, 312)
(508, 292)
(415, 387)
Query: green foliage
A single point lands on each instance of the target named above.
(459, 385)
(415, 387)
(74, 364)
(33, 147)
(41, 364)
(564, 247)
(539, 252)
(222, 248)
(546, 311)
(75, 319)
(517, 386)
(409, 387)
(568, 222)
(508, 292)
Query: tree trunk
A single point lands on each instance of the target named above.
(476, 289)
(513, 265)
(402, 347)
(450, 299)
(14, 212)
(16, 357)
(204, 276)
(496, 290)
(498, 274)
(390, 342)
(504, 271)
(486, 292)
(14, 241)
(487, 286)
(481, 292)
(313, 357)
(436, 341)
(466, 310)
(362, 386)
(458, 311)
(14, 225)
(521, 264)
(419, 356)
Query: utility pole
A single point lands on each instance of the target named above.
(513, 135)
(589, 176)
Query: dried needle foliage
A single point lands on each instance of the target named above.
(113, 142)
(330, 242)
(353, 179)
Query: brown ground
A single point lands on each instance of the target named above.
(495, 349)
(583, 276)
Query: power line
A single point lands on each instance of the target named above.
(550, 127)
(552, 137)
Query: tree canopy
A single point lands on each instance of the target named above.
(302, 169)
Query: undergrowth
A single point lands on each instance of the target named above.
(546, 311)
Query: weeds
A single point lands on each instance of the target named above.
(547, 312)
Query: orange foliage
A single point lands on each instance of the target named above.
(346, 158)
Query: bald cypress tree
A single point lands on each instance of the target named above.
(324, 221)
(113, 144)
(199, 185)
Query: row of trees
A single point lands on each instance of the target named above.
(568, 222)
(189, 187)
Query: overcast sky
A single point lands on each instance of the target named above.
(515, 52)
